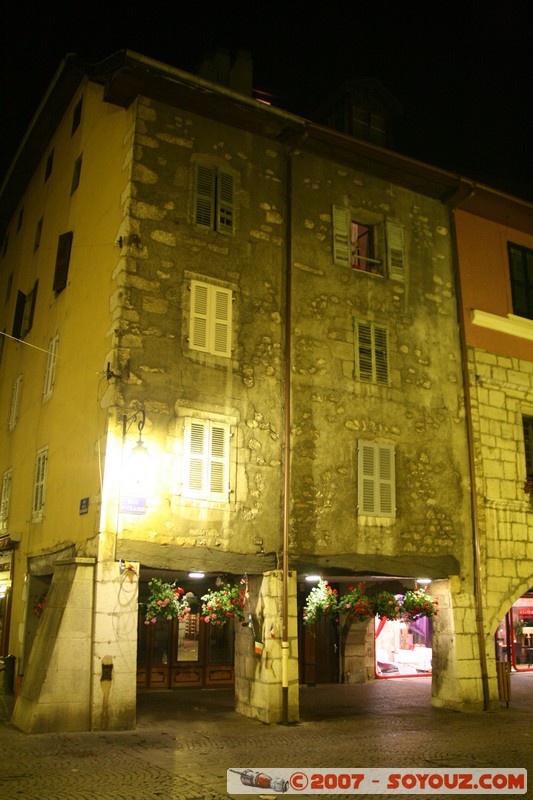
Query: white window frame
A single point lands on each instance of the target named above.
(206, 460)
(39, 484)
(376, 486)
(214, 198)
(51, 365)
(15, 402)
(5, 498)
(210, 319)
(372, 352)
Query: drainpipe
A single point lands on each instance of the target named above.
(287, 449)
(476, 547)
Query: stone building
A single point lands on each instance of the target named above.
(266, 307)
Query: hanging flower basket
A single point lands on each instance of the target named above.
(356, 604)
(321, 601)
(39, 604)
(386, 605)
(418, 603)
(166, 601)
(228, 602)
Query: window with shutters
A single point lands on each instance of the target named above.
(206, 460)
(214, 190)
(76, 173)
(24, 312)
(377, 249)
(4, 500)
(376, 491)
(371, 352)
(210, 319)
(15, 402)
(64, 247)
(39, 484)
(51, 364)
(521, 273)
(38, 232)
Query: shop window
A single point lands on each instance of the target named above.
(15, 402)
(4, 500)
(521, 273)
(372, 352)
(206, 460)
(210, 319)
(39, 484)
(51, 364)
(64, 247)
(214, 198)
(376, 480)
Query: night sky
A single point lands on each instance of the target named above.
(461, 70)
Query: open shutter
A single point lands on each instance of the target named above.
(19, 315)
(381, 354)
(198, 330)
(220, 328)
(225, 202)
(29, 310)
(218, 462)
(39, 483)
(376, 484)
(64, 247)
(204, 197)
(395, 251)
(341, 236)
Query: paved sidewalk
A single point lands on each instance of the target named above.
(186, 740)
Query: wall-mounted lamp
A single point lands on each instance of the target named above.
(139, 449)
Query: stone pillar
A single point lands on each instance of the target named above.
(114, 660)
(258, 683)
(358, 646)
(457, 682)
(55, 693)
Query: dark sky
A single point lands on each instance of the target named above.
(461, 70)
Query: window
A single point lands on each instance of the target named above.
(4, 500)
(527, 423)
(49, 165)
(9, 286)
(38, 232)
(206, 460)
(210, 319)
(521, 270)
(24, 312)
(20, 218)
(15, 402)
(371, 352)
(376, 483)
(369, 126)
(39, 484)
(6, 244)
(51, 363)
(64, 247)
(76, 117)
(214, 198)
(378, 249)
(76, 175)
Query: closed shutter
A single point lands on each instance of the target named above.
(372, 352)
(206, 462)
(341, 236)
(40, 483)
(376, 480)
(204, 197)
(220, 328)
(4, 503)
(198, 330)
(364, 351)
(381, 354)
(218, 466)
(51, 364)
(395, 251)
(210, 320)
(225, 202)
(15, 402)
(64, 247)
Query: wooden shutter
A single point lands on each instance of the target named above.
(195, 462)
(204, 196)
(198, 330)
(395, 251)
(225, 202)
(372, 352)
(15, 402)
(50, 375)
(39, 483)
(381, 354)
(364, 351)
(64, 246)
(218, 461)
(341, 236)
(220, 327)
(376, 480)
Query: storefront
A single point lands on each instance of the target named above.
(6, 568)
(514, 637)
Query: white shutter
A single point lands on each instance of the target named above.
(15, 402)
(204, 196)
(39, 486)
(376, 480)
(218, 461)
(225, 202)
(4, 502)
(195, 458)
(50, 375)
(395, 251)
(220, 328)
(198, 323)
(341, 236)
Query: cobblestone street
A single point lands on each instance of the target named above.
(185, 741)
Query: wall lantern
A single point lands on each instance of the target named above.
(136, 472)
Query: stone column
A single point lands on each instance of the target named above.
(258, 684)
